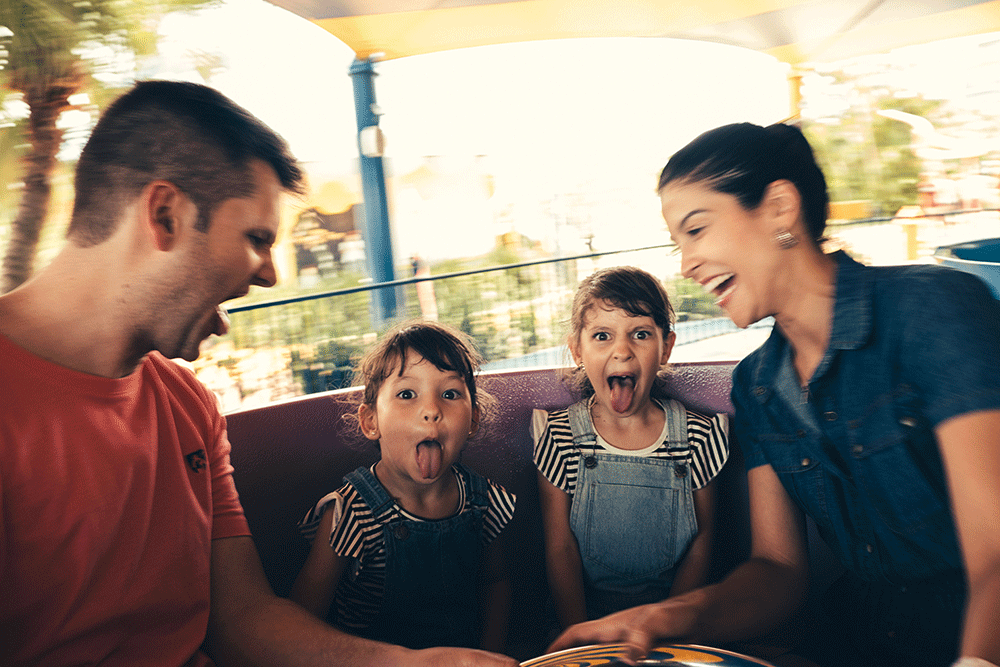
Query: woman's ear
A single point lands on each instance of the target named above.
(368, 418)
(783, 204)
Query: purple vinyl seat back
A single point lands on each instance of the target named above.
(287, 455)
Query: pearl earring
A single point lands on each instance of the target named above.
(785, 239)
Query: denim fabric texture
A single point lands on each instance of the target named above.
(855, 448)
(910, 347)
(432, 568)
(633, 516)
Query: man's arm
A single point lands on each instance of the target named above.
(970, 447)
(755, 598)
(249, 625)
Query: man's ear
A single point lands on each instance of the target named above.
(368, 419)
(163, 206)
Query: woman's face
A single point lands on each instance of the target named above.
(725, 248)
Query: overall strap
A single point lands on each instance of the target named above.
(676, 416)
(371, 491)
(581, 425)
(477, 487)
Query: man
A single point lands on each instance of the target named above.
(122, 540)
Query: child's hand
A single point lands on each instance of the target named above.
(459, 657)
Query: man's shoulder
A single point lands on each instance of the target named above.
(177, 379)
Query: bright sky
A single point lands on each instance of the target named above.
(549, 117)
(567, 125)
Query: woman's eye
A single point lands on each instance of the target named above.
(406, 394)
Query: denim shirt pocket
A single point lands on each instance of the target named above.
(897, 464)
(799, 470)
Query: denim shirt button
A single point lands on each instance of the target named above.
(908, 422)
(759, 391)
(800, 434)
(805, 462)
(857, 450)
(869, 548)
(830, 416)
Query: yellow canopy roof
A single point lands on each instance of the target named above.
(793, 31)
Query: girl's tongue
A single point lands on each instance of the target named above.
(429, 458)
(622, 391)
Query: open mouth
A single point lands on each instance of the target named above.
(430, 456)
(622, 391)
(721, 286)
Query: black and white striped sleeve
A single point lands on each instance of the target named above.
(500, 513)
(554, 454)
(709, 440)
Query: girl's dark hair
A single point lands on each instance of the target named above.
(742, 159)
(629, 288)
(448, 348)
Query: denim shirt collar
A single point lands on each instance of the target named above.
(852, 325)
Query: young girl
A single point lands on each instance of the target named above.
(624, 475)
(408, 550)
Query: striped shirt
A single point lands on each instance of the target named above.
(358, 536)
(556, 457)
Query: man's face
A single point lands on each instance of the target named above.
(221, 264)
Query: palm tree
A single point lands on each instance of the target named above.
(53, 48)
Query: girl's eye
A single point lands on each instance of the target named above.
(601, 335)
(451, 394)
(406, 394)
(642, 335)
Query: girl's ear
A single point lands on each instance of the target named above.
(474, 426)
(368, 418)
(573, 343)
(668, 347)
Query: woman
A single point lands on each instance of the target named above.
(874, 407)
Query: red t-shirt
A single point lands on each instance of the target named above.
(111, 491)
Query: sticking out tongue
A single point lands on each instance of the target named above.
(622, 390)
(429, 457)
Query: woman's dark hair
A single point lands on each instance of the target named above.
(448, 348)
(629, 288)
(742, 159)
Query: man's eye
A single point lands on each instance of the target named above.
(406, 394)
(642, 335)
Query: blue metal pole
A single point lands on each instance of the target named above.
(377, 235)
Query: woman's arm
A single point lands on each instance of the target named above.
(693, 570)
(562, 554)
(970, 447)
(496, 593)
(755, 598)
(316, 584)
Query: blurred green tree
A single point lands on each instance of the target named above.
(51, 50)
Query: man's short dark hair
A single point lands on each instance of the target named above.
(188, 134)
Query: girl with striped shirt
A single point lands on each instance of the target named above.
(624, 475)
(407, 550)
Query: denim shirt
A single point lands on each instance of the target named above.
(910, 347)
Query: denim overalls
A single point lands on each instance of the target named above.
(633, 516)
(431, 570)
